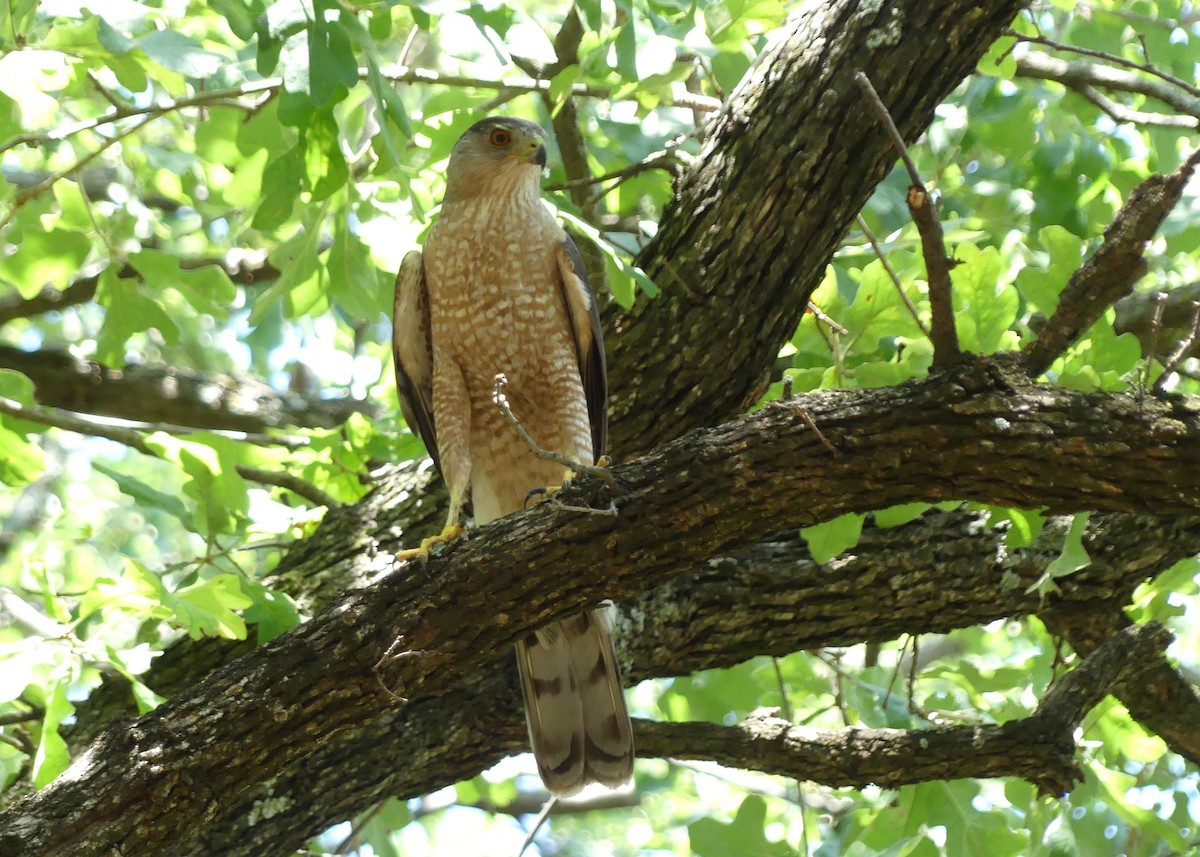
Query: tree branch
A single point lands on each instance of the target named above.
(1039, 748)
(943, 333)
(759, 213)
(1083, 76)
(163, 395)
(1112, 270)
(1037, 440)
(237, 95)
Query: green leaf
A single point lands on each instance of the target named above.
(1041, 286)
(241, 15)
(43, 257)
(332, 68)
(324, 164)
(984, 307)
(1073, 557)
(52, 756)
(827, 540)
(280, 188)
(270, 612)
(1116, 785)
(208, 289)
(203, 609)
(206, 608)
(297, 258)
(146, 495)
(21, 460)
(1024, 528)
(894, 516)
(179, 53)
(127, 311)
(877, 312)
(630, 272)
(354, 280)
(745, 836)
(210, 463)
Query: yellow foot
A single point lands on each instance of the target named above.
(448, 534)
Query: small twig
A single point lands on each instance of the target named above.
(235, 97)
(501, 401)
(808, 421)
(1181, 352)
(344, 846)
(21, 717)
(291, 482)
(912, 675)
(788, 383)
(62, 420)
(1160, 304)
(891, 272)
(885, 117)
(537, 824)
(943, 333)
(31, 192)
(820, 315)
(662, 160)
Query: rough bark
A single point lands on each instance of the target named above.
(944, 571)
(787, 166)
(976, 434)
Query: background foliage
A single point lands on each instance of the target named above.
(235, 182)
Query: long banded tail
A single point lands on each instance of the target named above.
(579, 727)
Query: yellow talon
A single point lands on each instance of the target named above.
(448, 534)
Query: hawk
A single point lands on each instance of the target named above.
(501, 289)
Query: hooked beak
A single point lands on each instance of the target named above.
(536, 153)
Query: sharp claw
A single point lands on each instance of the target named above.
(448, 534)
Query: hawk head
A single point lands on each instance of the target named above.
(496, 155)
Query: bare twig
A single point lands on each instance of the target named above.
(891, 272)
(1083, 75)
(501, 401)
(1178, 355)
(885, 117)
(942, 334)
(1121, 113)
(1160, 304)
(292, 483)
(664, 160)
(237, 96)
(821, 315)
(1112, 59)
(29, 193)
(537, 824)
(68, 422)
(1111, 272)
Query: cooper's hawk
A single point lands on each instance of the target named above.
(502, 289)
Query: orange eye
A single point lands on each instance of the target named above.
(500, 138)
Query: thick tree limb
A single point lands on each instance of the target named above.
(1112, 270)
(944, 571)
(711, 492)
(786, 166)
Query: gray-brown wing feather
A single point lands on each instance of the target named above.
(412, 348)
(589, 340)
